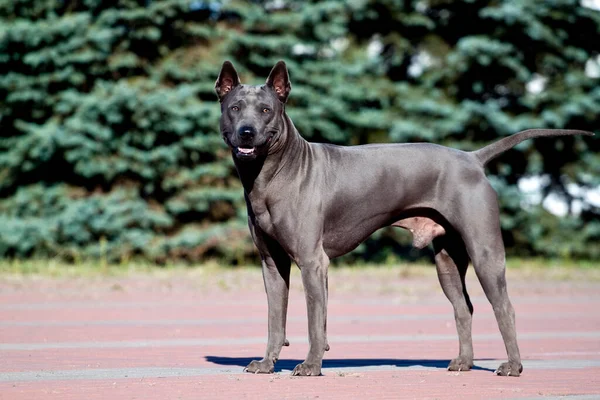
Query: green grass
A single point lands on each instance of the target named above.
(58, 268)
(544, 263)
(562, 269)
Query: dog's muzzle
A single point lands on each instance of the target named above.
(246, 135)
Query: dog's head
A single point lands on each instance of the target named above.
(251, 115)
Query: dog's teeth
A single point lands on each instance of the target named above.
(246, 150)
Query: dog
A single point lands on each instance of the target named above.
(311, 202)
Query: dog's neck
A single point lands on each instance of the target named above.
(256, 174)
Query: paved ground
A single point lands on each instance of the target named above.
(188, 335)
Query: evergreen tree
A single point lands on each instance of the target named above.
(109, 142)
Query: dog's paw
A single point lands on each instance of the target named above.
(260, 367)
(460, 364)
(510, 368)
(307, 370)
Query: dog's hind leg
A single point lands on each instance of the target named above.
(490, 270)
(483, 240)
(451, 261)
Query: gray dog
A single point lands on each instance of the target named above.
(312, 202)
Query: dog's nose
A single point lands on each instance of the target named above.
(246, 132)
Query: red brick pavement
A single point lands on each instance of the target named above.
(188, 336)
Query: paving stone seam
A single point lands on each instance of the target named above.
(293, 339)
(160, 372)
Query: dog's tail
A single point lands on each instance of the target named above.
(491, 151)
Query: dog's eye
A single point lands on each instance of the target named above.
(266, 110)
(235, 108)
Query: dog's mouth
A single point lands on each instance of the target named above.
(245, 151)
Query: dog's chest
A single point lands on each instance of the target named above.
(262, 216)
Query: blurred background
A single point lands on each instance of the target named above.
(109, 140)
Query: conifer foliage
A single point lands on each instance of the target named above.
(109, 141)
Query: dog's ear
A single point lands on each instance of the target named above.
(227, 80)
(279, 81)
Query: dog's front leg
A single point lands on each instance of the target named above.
(276, 276)
(314, 279)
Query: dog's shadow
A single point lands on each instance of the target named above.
(288, 365)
